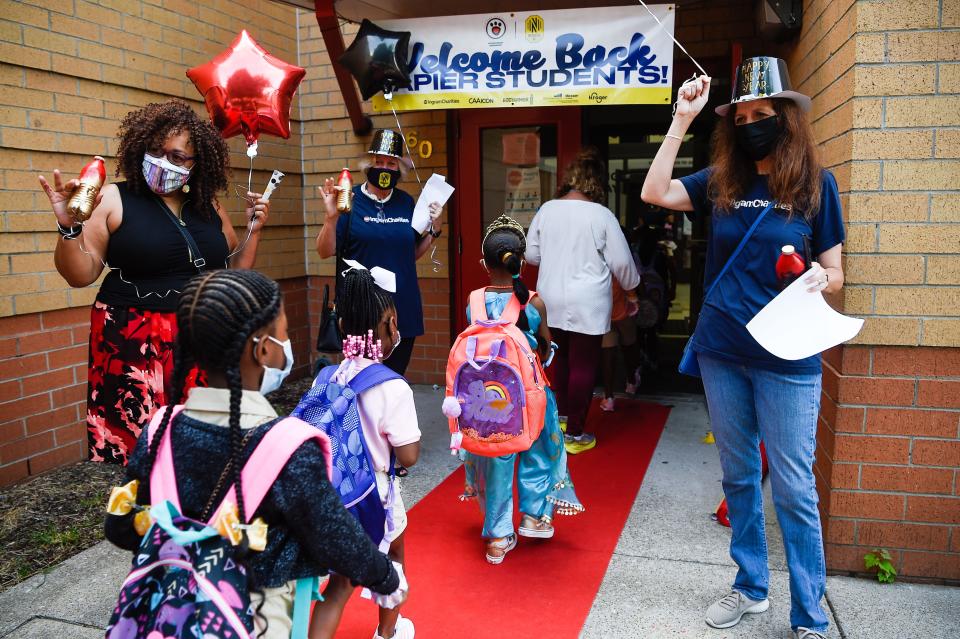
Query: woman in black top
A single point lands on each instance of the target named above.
(141, 230)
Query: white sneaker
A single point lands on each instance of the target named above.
(806, 633)
(727, 612)
(402, 630)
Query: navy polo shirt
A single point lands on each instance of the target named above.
(385, 238)
(751, 282)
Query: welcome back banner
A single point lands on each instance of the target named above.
(608, 55)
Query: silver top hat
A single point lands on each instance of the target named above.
(386, 142)
(763, 77)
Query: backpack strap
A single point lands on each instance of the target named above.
(268, 460)
(478, 305)
(372, 375)
(497, 349)
(326, 374)
(511, 313)
(163, 481)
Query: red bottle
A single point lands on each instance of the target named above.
(790, 266)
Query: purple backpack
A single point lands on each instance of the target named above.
(186, 580)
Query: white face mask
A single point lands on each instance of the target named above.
(393, 349)
(273, 377)
(162, 176)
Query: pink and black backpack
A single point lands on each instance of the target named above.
(186, 580)
(495, 399)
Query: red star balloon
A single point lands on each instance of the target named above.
(247, 90)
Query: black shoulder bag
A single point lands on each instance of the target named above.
(329, 338)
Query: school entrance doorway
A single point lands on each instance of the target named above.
(508, 161)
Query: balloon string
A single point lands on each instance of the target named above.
(437, 264)
(250, 176)
(404, 138)
(672, 38)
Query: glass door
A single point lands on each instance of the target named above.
(507, 162)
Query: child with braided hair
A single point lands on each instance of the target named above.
(388, 421)
(544, 486)
(233, 327)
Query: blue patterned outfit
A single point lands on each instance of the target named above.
(544, 486)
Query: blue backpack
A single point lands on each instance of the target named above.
(333, 409)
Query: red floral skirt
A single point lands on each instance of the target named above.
(130, 375)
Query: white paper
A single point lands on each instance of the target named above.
(797, 324)
(435, 189)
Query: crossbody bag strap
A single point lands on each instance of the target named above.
(736, 252)
(341, 247)
(195, 257)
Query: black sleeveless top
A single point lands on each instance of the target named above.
(152, 255)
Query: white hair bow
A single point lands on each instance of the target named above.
(387, 280)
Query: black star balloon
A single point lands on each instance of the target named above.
(377, 58)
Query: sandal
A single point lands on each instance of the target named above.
(497, 549)
(537, 528)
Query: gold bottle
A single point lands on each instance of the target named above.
(83, 200)
(345, 188)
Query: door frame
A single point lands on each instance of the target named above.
(466, 232)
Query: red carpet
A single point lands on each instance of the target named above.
(544, 588)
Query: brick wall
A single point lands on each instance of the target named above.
(42, 391)
(886, 116)
(891, 422)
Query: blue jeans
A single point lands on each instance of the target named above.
(748, 405)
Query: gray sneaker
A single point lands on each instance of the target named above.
(727, 612)
(806, 633)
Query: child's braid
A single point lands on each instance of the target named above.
(216, 314)
(363, 303)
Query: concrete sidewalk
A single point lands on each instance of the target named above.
(670, 564)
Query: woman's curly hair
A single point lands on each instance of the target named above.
(586, 173)
(150, 126)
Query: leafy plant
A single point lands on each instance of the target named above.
(881, 560)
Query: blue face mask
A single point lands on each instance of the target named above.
(273, 377)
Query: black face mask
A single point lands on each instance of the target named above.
(383, 178)
(759, 138)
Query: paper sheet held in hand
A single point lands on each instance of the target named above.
(797, 324)
(435, 189)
